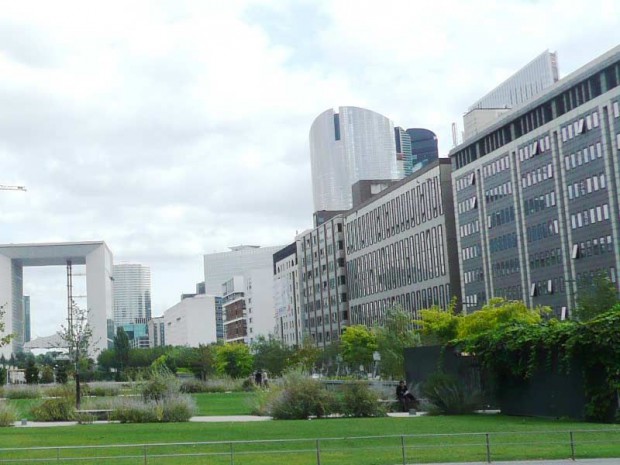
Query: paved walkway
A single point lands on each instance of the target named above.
(544, 462)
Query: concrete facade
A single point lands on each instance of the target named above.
(191, 322)
(286, 296)
(397, 247)
(537, 193)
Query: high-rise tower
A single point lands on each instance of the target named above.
(132, 294)
(348, 146)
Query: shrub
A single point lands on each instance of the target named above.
(224, 384)
(8, 414)
(299, 398)
(59, 390)
(134, 411)
(47, 374)
(193, 386)
(178, 409)
(102, 389)
(57, 409)
(248, 385)
(359, 400)
(161, 385)
(447, 395)
(22, 392)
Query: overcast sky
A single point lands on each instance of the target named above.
(170, 129)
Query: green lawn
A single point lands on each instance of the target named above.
(529, 438)
(232, 403)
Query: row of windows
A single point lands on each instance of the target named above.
(541, 174)
(471, 252)
(473, 276)
(504, 242)
(500, 217)
(373, 313)
(547, 287)
(411, 260)
(466, 181)
(616, 110)
(467, 205)
(580, 126)
(499, 192)
(546, 258)
(587, 186)
(411, 208)
(469, 228)
(539, 203)
(506, 267)
(543, 230)
(591, 247)
(581, 157)
(591, 216)
(471, 301)
(510, 292)
(535, 148)
(589, 276)
(496, 166)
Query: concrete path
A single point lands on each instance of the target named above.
(228, 418)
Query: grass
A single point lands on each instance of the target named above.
(232, 403)
(530, 438)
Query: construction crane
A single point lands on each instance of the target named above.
(12, 188)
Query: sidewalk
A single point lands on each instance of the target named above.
(543, 462)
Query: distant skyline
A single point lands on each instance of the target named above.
(179, 128)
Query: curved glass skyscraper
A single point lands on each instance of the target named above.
(351, 145)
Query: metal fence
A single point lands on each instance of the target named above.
(390, 449)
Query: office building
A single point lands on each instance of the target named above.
(286, 296)
(415, 148)
(248, 306)
(323, 281)
(397, 247)
(132, 294)
(221, 266)
(537, 193)
(530, 81)
(347, 146)
(190, 323)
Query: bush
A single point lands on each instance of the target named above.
(299, 398)
(57, 409)
(133, 411)
(178, 409)
(193, 386)
(160, 386)
(102, 389)
(449, 396)
(22, 392)
(359, 400)
(8, 414)
(59, 390)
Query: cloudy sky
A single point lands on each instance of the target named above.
(175, 128)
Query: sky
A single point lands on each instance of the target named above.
(171, 129)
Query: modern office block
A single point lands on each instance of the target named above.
(323, 281)
(537, 193)
(424, 149)
(98, 260)
(191, 322)
(286, 296)
(347, 146)
(398, 247)
(221, 266)
(157, 332)
(132, 294)
(530, 81)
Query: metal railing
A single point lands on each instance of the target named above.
(360, 450)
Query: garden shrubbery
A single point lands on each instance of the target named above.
(360, 400)
(447, 395)
(22, 392)
(8, 414)
(55, 409)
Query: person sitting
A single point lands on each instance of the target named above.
(407, 399)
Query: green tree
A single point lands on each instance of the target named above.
(4, 339)
(32, 371)
(271, 355)
(202, 361)
(392, 339)
(47, 374)
(61, 373)
(358, 345)
(121, 351)
(306, 356)
(234, 360)
(438, 326)
(594, 297)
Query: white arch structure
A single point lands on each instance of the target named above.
(99, 266)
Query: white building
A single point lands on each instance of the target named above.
(530, 81)
(248, 305)
(221, 266)
(132, 293)
(157, 331)
(286, 296)
(351, 145)
(191, 322)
